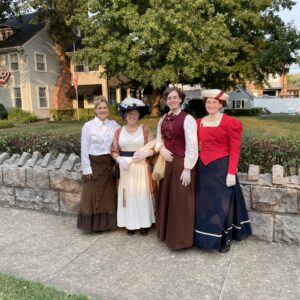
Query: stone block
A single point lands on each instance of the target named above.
(47, 159)
(253, 173)
(36, 156)
(3, 157)
(37, 178)
(69, 202)
(13, 160)
(262, 225)
(277, 174)
(65, 181)
(77, 168)
(265, 179)
(70, 163)
(14, 176)
(274, 199)
(247, 195)
(1, 177)
(59, 161)
(287, 229)
(24, 158)
(7, 196)
(37, 199)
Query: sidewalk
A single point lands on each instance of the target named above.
(48, 248)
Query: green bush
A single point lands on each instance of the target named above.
(3, 112)
(6, 124)
(269, 151)
(56, 144)
(18, 115)
(255, 111)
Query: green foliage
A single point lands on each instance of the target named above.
(18, 115)
(10, 8)
(6, 124)
(268, 151)
(20, 289)
(293, 79)
(255, 111)
(71, 114)
(3, 112)
(215, 43)
(44, 143)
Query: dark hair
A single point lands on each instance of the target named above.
(169, 90)
(223, 102)
(124, 115)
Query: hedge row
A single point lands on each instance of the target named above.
(255, 111)
(263, 151)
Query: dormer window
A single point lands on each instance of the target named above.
(14, 62)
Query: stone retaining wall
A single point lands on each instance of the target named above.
(54, 184)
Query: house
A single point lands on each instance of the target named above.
(240, 98)
(29, 66)
(91, 82)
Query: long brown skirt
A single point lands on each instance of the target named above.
(98, 206)
(176, 207)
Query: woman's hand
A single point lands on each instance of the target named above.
(230, 180)
(122, 162)
(167, 154)
(87, 177)
(186, 177)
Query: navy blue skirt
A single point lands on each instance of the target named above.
(221, 213)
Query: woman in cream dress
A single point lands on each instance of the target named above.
(135, 194)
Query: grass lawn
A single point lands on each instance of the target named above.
(274, 125)
(12, 288)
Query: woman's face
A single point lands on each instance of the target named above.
(173, 101)
(213, 106)
(132, 117)
(102, 111)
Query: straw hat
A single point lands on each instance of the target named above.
(216, 94)
(133, 103)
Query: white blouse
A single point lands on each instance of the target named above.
(191, 140)
(96, 139)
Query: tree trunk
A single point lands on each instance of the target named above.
(60, 99)
(155, 101)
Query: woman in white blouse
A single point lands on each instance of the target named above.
(98, 206)
(177, 142)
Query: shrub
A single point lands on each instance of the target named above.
(18, 115)
(255, 111)
(268, 151)
(3, 112)
(6, 124)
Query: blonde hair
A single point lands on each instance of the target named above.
(98, 100)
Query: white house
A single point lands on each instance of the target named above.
(31, 65)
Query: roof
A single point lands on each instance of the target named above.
(25, 30)
(241, 94)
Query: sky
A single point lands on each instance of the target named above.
(292, 16)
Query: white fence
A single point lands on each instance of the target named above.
(278, 105)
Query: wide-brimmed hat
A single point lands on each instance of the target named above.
(216, 94)
(133, 103)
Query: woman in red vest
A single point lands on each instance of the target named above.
(221, 213)
(177, 142)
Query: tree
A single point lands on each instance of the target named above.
(10, 8)
(213, 42)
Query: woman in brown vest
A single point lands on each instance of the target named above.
(177, 142)
(98, 206)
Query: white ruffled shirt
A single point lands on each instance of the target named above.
(191, 140)
(96, 139)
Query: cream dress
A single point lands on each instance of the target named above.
(135, 208)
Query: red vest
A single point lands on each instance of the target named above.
(172, 132)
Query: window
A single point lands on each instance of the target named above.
(2, 62)
(43, 101)
(238, 104)
(79, 67)
(18, 97)
(90, 99)
(14, 63)
(40, 62)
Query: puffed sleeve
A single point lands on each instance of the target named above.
(159, 140)
(191, 142)
(85, 143)
(235, 129)
(115, 148)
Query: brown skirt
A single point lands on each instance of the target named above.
(176, 207)
(98, 206)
